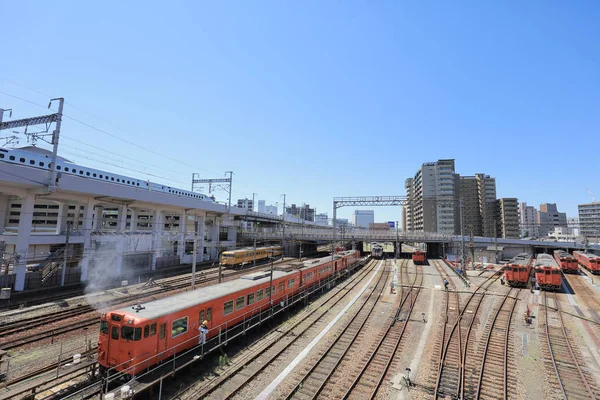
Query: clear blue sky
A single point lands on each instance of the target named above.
(318, 99)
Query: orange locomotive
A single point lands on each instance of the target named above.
(134, 339)
(547, 272)
(567, 262)
(418, 257)
(590, 261)
(518, 270)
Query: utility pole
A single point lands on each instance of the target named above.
(195, 249)
(462, 238)
(230, 190)
(283, 230)
(495, 243)
(271, 282)
(254, 263)
(219, 261)
(55, 137)
(397, 241)
(66, 253)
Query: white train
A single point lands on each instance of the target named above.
(35, 157)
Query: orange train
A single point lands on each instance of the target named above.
(567, 262)
(518, 270)
(132, 339)
(418, 257)
(547, 272)
(589, 261)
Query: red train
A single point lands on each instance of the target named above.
(589, 261)
(547, 272)
(418, 257)
(133, 339)
(567, 262)
(518, 270)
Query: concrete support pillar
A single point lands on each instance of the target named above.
(98, 218)
(181, 237)
(157, 230)
(215, 238)
(88, 220)
(22, 246)
(122, 223)
(133, 220)
(4, 211)
(61, 224)
(231, 233)
(201, 231)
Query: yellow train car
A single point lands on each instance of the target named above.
(246, 255)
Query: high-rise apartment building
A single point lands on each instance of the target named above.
(549, 218)
(508, 218)
(486, 189)
(470, 196)
(304, 212)
(528, 218)
(363, 218)
(432, 198)
(589, 219)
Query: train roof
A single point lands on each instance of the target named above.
(588, 255)
(562, 253)
(244, 249)
(521, 259)
(545, 260)
(181, 301)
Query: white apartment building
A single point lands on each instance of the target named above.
(528, 219)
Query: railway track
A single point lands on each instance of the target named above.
(455, 376)
(493, 378)
(230, 382)
(572, 381)
(313, 382)
(368, 382)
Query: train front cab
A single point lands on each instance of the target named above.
(548, 278)
(516, 275)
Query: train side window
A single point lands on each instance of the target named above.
(179, 326)
(228, 307)
(12, 158)
(58, 167)
(66, 169)
(41, 164)
(268, 292)
(251, 298)
(291, 283)
(239, 303)
(87, 173)
(115, 333)
(281, 286)
(94, 175)
(146, 331)
(32, 162)
(153, 329)
(1, 155)
(22, 159)
(209, 314)
(259, 295)
(201, 317)
(104, 327)
(163, 331)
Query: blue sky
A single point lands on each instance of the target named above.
(318, 99)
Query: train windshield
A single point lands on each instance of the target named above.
(104, 327)
(129, 333)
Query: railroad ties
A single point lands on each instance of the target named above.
(563, 357)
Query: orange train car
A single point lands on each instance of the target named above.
(518, 270)
(567, 262)
(418, 257)
(547, 272)
(133, 339)
(589, 261)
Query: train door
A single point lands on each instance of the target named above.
(113, 344)
(162, 341)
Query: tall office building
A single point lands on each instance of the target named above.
(486, 188)
(432, 199)
(408, 208)
(549, 218)
(508, 221)
(471, 212)
(589, 219)
(528, 218)
(363, 218)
